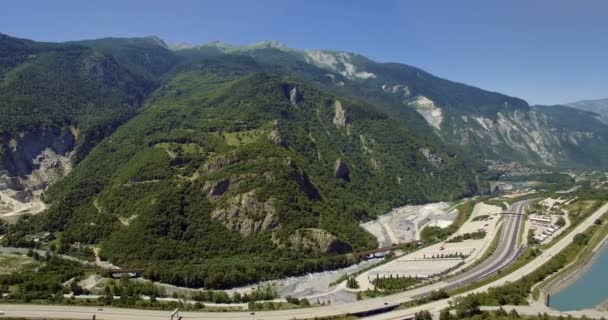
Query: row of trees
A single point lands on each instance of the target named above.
(266, 292)
(395, 283)
(466, 236)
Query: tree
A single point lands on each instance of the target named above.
(467, 307)
(501, 312)
(423, 315)
(352, 283)
(560, 222)
(445, 314)
(75, 288)
(580, 239)
(513, 314)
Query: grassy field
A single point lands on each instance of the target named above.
(10, 263)
(241, 137)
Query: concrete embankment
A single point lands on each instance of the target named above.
(573, 273)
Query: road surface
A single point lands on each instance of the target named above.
(506, 252)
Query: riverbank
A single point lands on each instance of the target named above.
(576, 270)
(602, 306)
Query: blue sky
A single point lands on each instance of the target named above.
(544, 51)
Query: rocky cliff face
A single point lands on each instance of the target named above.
(247, 215)
(30, 162)
(533, 136)
(341, 170)
(341, 118)
(318, 240)
(431, 157)
(428, 110)
(275, 134)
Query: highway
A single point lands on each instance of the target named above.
(514, 276)
(505, 253)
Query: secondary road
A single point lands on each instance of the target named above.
(499, 259)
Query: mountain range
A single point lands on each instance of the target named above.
(218, 165)
(598, 106)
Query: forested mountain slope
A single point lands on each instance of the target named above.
(488, 124)
(225, 182)
(56, 102)
(219, 165)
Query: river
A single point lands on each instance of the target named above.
(588, 291)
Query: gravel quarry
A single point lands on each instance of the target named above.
(403, 224)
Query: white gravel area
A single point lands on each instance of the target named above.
(433, 260)
(403, 224)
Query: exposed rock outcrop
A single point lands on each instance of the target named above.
(246, 215)
(376, 164)
(216, 189)
(7, 182)
(318, 240)
(37, 151)
(221, 162)
(293, 94)
(431, 157)
(366, 144)
(275, 135)
(341, 170)
(397, 89)
(428, 110)
(341, 62)
(529, 134)
(29, 164)
(341, 119)
(303, 181)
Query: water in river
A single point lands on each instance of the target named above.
(590, 290)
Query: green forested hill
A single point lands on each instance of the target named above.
(220, 165)
(224, 182)
(53, 86)
(148, 57)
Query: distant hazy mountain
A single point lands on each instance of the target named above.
(599, 106)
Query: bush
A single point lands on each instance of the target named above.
(423, 315)
(581, 239)
(395, 283)
(352, 283)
